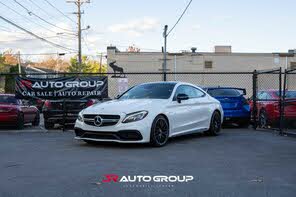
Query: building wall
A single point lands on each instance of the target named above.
(195, 62)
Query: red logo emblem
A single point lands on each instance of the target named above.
(110, 177)
(25, 83)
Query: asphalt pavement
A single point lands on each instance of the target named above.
(239, 162)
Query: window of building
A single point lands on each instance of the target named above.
(293, 65)
(208, 64)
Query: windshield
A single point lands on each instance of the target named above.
(224, 92)
(289, 94)
(8, 99)
(149, 91)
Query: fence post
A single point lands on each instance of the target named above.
(164, 76)
(255, 87)
(280, 101)
(64, 112)
(282, 112)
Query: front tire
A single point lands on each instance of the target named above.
(215, 125)
(159, 131)
(244, 123)
(36, 121)
(20, 121)
(48, 125)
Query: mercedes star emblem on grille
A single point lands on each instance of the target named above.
(98, 121)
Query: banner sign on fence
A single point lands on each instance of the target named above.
(122, 85)
(62, 87)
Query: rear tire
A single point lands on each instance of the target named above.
(159, 131)
(215, 125)
(244, 123)
(36, 121)
(48, 125)
(20, 121)
(263, 120)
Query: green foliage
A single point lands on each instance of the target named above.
(87, 66)
(2, 65)
(10, 80)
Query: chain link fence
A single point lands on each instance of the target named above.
(271, 93)
(289, 101)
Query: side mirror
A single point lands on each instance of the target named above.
(181, 97)
(116, 97)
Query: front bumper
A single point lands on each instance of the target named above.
(57, 116)
(134, 132)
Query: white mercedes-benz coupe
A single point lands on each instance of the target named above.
(151, 112)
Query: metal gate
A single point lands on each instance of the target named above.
(266, 102)
(289, 102)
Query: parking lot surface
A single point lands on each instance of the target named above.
(239, 162)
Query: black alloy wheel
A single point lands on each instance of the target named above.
(159, 131)
(215, 125)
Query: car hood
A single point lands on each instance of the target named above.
(125, 106)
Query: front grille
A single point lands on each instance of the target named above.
(107, 120)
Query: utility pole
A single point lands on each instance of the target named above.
(78, 13)
(101, 58)
(19, 63)
(79, 32)
(165, 52)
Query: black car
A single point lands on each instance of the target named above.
(64, 112)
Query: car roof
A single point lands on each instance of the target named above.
(220, 87)
(163, 82)
(173, 83)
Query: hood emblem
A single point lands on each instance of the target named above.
(98, 121)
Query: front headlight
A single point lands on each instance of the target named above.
(136, 116)
(80, 116)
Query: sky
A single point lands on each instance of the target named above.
(248, 26)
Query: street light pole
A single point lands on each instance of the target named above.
(165, 52)
(79, 33)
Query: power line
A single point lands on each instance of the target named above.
(40, 54)
(32, 13)
(28, 39)
(41, 8)
(36, 36)
(27, 18)
(180, 17)
(60, 11)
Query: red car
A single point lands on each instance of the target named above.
(17, 112)
(268, 107)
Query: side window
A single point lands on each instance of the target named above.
(268, 96)
(180, 90)
(192, 92)
(263, 96)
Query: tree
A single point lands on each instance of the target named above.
(133, 49)
(87, 66)
(52, 63)
(10, 57)
(10, 80)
